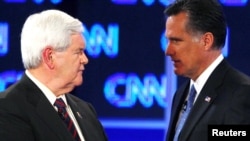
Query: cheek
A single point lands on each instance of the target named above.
(75, 65)
(76, 62)
(73, 61)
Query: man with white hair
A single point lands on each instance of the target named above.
(39, 106)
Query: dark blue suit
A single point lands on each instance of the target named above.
(224, 99)
(27, 115)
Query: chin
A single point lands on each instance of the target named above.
(178, 73)
(78, 82)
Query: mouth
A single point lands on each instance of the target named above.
(176, 62)
(82, 68)
(80, 71)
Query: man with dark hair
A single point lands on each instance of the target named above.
(196, 32)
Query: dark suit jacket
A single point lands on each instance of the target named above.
(224, 99)
(27, 115)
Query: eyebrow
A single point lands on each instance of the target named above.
(175, 38)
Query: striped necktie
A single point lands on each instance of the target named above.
(62, 112)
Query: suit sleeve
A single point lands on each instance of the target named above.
(239, 111)
(13, 127)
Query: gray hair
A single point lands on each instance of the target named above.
(47, 28)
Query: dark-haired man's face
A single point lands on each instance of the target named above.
(184, 48)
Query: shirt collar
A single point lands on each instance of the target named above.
(202, 79)
(46, 91)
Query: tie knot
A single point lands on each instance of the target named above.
(192, 90)
(59, 103)
(192, 94)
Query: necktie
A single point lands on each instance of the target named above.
(186, 111)
(59, 103)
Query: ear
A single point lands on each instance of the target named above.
(207, 40)
(47, 56)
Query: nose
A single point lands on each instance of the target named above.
(84, 59)
(168, 50)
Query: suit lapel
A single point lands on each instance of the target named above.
(80, 117)
(48, 114)
(205, 98)
(177, 107)
(89, 127)
(45, 110)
